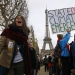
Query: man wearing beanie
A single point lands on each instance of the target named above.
(57, 54)
(65, 54)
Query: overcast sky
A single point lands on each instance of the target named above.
(37, 16)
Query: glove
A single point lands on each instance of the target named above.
(68, 30)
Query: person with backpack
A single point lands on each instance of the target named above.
(45, 63)
(50, 63)
(65, 54)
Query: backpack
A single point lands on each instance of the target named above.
(57, 50)
(45, 60)
(54, 60)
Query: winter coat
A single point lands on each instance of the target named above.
(33, 57)
(63, 44)
(72, 58)
(6, 54)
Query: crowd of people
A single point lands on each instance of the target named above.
(61, 61)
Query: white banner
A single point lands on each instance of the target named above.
(62, 19)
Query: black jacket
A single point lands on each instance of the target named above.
(33, 57)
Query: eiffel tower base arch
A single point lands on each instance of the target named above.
(46, 52)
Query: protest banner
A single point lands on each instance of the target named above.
(62, 19)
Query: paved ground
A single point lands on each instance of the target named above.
(42, 72)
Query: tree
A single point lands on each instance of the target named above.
(10, 8)
(33, 39)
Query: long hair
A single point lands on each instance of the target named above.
(25, 28)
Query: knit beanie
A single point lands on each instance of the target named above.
(59, 36)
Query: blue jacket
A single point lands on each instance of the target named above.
(63, 43)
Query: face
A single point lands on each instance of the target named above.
(31, 44)
(18, 21)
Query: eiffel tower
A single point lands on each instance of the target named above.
(47, 39)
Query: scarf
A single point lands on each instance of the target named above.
(18, 36)
(59, 39)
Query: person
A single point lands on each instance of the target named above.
(39, 62)
(57, 54)
(33, 58)
(36, 70)
(50, 63)
(14, 52)
(72, 57)
(45, 63)
(65, 54)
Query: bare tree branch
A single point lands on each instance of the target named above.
(10, 8)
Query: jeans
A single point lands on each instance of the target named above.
(16, 68)
(46, 67)
(32, 71)
(50, 70)
(74, 62)
(3, 70)
(65, 66)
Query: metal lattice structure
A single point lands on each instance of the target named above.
(47, 39)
